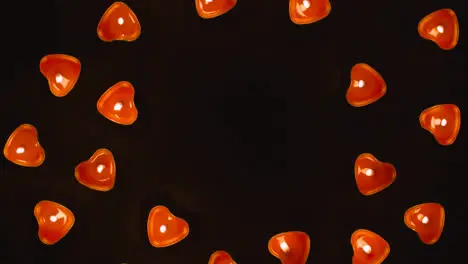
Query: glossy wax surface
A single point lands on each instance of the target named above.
(304, 12)
(165, 229)
(372, 175)
(368, 247)
(117, 105)
(221, 257)
(366, 87)
(119, 22)
(23, 147)
(54, 221)
(443, 122)
(290, 247)
(214, 8)
(441, 27)
(61, 71)
(427, 220)
(98, 172)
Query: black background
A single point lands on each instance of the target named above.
(243, 130)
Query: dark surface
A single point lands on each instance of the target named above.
(244, 130)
